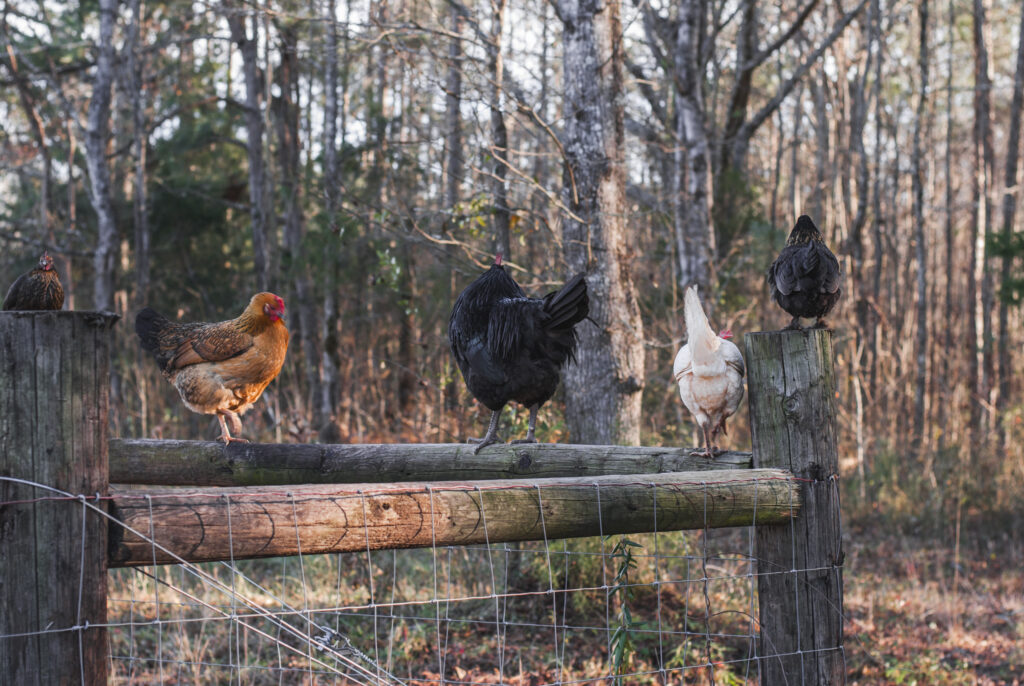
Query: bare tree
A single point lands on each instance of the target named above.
(97, 135)
(695, 235)
(452, 118)
(603, 387)
(329, 273)
(981, 203)
(136, 92)
(920, 247)
(248, 42)
(499, 133)
(1009, 213)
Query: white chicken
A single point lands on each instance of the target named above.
(710, 371)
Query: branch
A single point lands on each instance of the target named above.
(748, 129)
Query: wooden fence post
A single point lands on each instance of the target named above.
(792, 391)
(54, 389)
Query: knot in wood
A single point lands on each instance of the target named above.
(524, 460)
(792, 406)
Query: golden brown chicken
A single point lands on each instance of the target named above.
(220, 368)
(39, 289)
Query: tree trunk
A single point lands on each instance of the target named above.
(452, 118)
(137, 95)
(499, 134)
(947, 360)
(603, 386)
(920, 248)
(286, 111)
(980, 199)
(248, 46)
(331, 179)
(692, 207)
(97, 133)
(1009, 213)
(822, 118)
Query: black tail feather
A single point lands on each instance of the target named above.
(568, 306)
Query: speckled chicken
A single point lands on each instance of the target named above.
(512, 347)
(39, 289)
(709, 370)
(805, 279)
(220, 368)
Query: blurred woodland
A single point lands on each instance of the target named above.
(366, 159)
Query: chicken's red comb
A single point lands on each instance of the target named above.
(725, 333)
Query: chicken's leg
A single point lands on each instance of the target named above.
(794, 325)
(491, 436)
(707, 445)
(820, 324)
(236, 424)
(530, 438)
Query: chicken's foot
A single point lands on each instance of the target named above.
(708, 451)
(794, 325)
(490, 437)
(236, 424)
(820, 324)
(530, 438)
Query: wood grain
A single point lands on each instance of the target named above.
(268, 521)
(792, 391)
(197, 463)
(54, 387)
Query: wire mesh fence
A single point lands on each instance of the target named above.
(658, 607)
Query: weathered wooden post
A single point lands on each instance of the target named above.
(54, 388)
(792, 391)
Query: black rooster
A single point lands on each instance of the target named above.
(39, 289)
(512, 347)
(805, 279)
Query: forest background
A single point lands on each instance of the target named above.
(366, 159)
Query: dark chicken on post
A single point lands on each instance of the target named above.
(39, 289)
(805, 279)
(512, 347)
(220, 368)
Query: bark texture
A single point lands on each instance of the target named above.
(96, 137)
(225, 524)
(603, 387)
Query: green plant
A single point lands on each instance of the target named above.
(622, 645)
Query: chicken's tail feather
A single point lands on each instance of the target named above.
(702, 339)
(149, 324)
(569, 306)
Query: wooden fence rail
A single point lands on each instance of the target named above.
(283, 500)
(197, 463)
(268, 521)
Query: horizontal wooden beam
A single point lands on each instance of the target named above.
(221, 524)
(196, 463)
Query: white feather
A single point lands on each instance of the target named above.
(709, 370)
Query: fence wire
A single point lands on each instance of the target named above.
(662, 607)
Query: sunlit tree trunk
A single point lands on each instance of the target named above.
(695, 234)
(981, 202)
(96, 136)
(603, 387)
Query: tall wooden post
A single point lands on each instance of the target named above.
(792, 391)
(54, 387)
